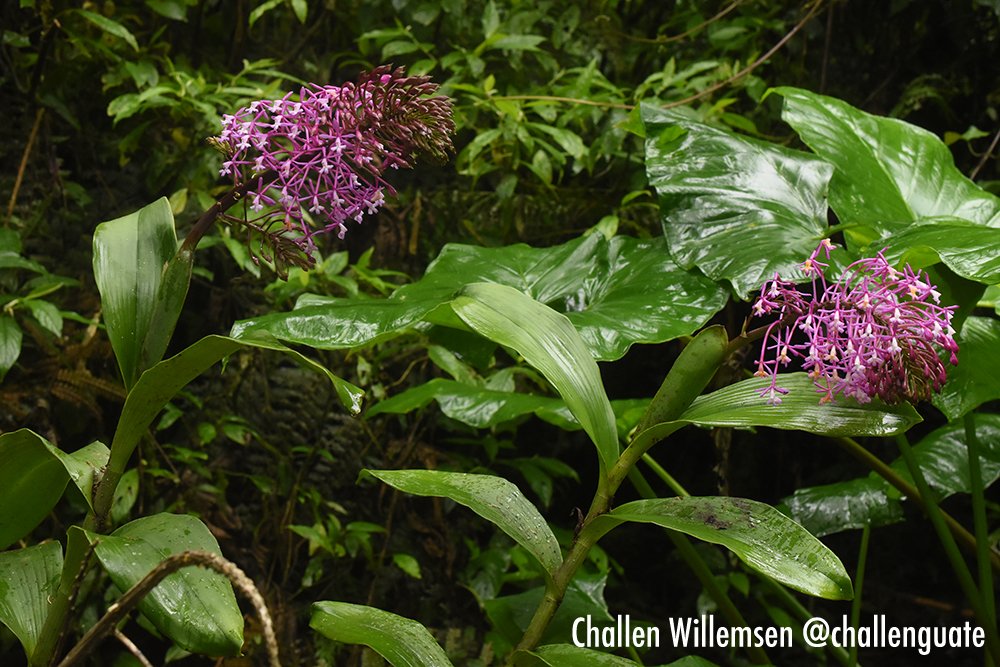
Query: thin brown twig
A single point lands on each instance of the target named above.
(24, 164)
(752, 66)
(132, 648)
(117, 611)
(986, 156)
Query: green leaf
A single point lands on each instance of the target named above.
(976, 379)
(401, 641)
(762, 537)
(942, 456)
(547, 341)
(30, 576)
(195, 607)
(130, 254)
(888, 173)
(161, 382)
(407, 564)
(493, 498)
(33, 477)
(110, 26)
(301, 9)
(740, 405)
(968, 249)
(568, 655)
(739, 209)
(616, 293)
(47, 315)
(475, 406)
(10, 343)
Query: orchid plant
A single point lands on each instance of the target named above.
(316, 163)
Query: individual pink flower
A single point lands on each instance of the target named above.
(875, 333)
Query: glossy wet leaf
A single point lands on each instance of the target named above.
(161, 382)
(548, 342)
(970, 250)
(616, 293)
(403, 642)
(475, 406)
(493, 498)
(762, 537)
(33, 476)
(739, 209)
(194, 607)
(741, 405)
(944, 459)
(569, 655)
(130, 254)
(888, 173)
(976, 379)
(29, 577)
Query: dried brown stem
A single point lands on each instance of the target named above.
(39, 114)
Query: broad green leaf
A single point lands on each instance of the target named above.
(616, 293)
(46, 314)
(762, 537)
(547, 341)
(475, 406)
(944, 459)
(130, 254)
(403, 642)
(194, 606)
(493, 498)
(170, 297)
(110, 26)
(976, 379)
(888, 173)
(740, 405)
(511, 614)
(30, 576)
(970, 250)
(568, 655)
(160, 383)
(10, 343)
(33, 476)
(739, 209)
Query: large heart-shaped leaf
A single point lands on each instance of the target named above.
(888, 173)
(763, 538)
(616, 293)
(549, 342)
(740, 405)
(195, 607)
(29, 577)
(739, 209)
(130, 254)
(976, 379)
(33, 476)
(942, 456)
(403, 642)
(493, 498)
(970, 250)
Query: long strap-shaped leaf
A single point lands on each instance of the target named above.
(549, 342)
(401, 641)
(493, 498)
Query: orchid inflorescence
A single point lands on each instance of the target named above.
(874, 333)
(315, 161)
